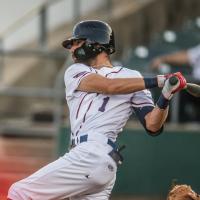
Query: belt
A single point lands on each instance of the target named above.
(84, 138)
(115, 153)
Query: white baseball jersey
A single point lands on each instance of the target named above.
(87, 171)
(99, 113)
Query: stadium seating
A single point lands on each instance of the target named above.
(166, 42)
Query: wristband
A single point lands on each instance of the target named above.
(162, 102)
(150, 82)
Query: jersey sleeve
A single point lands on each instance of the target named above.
(73, 76)
(194, 55)
(141, 98)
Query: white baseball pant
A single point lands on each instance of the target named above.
(87, 172)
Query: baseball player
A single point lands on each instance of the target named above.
(100, 98)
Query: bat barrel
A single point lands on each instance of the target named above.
(193, 89)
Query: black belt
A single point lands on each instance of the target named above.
(114, 154)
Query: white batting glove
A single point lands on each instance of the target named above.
(161, 80)
(168, 89)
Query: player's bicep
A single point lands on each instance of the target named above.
(94, 83)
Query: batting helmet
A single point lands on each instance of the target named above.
(93, 32)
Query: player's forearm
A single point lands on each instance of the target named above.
(178, 58)
(130, 85)
(125, 85)
(156, 118)
(103, 85)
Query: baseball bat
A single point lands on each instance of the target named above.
(191, 88)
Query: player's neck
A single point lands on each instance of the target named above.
(99, 65)
(102, 60)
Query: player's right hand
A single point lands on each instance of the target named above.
(168, 89)
(182, 81)
(162, 78)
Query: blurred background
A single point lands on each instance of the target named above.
(34, 122)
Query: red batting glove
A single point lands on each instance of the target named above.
(182, 81)
(168, 89)
(162, 78)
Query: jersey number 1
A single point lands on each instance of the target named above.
(103, 106)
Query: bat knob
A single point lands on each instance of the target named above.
(173, 80)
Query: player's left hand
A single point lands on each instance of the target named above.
(168, 89)
(162, 78)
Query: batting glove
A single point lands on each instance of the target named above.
(162, 78)
(168, 89)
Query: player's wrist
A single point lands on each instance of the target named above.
(150, 82)
(162, 102)
(157, 81)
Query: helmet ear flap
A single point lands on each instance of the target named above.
(87, 51)
(80, 53)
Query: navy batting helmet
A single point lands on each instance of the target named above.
(94, 32)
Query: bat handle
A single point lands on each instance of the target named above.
(173, 80)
